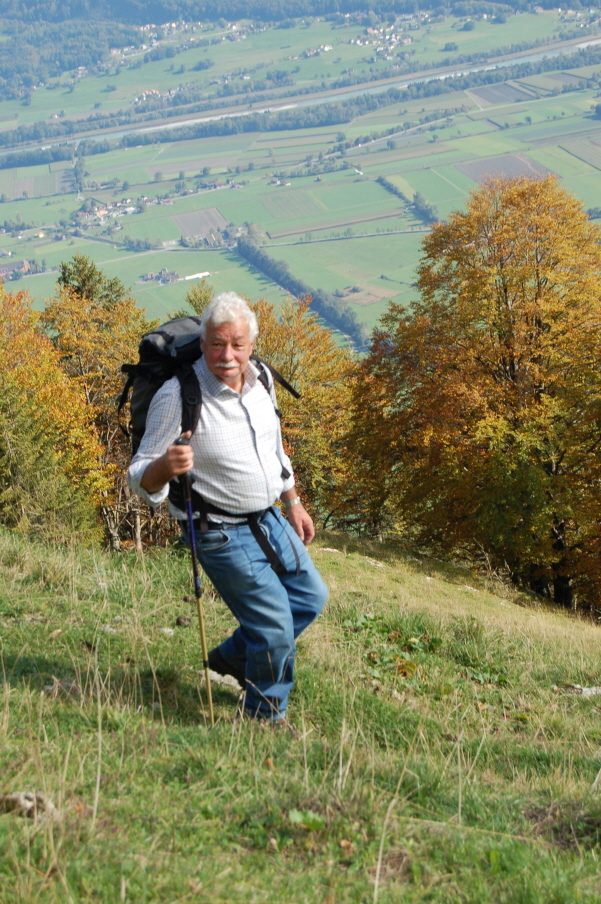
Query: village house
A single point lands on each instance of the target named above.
(8, 269)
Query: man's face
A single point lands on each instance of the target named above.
(227, 349)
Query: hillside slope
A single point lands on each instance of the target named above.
(436, 761)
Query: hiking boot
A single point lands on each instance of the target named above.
(222, 667)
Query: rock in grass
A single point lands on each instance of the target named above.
(182, 621)
(32, 804)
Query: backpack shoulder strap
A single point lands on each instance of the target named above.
(261, 365)
(191, 397)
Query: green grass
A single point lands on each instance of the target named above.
(227, 273)
(586, 151)
(358, 261)
(436, 762)
(587, 188)
(560, 161)
(273, 48)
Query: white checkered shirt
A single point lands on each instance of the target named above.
(238, 452)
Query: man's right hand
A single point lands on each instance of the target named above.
(178, 459)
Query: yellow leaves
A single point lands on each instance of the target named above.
(93, 340)
(308, 356)
(527, 257)
(28, 358)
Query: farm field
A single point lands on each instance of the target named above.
(370, 271)
(295, 188)
(294, 51)
(159, 300)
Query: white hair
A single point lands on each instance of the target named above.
(227, 307)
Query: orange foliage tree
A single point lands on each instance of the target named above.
(94, 334)
(59, 418)
(307, 354)
(477, 417)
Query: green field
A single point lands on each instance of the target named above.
(370, 271)
(261, 51)
(560, 161)
(418, 145)
(226, 274)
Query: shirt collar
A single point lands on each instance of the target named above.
(215, 386)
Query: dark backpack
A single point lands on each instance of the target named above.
(170, 351)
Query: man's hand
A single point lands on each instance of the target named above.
(299, 518)
(178, 459)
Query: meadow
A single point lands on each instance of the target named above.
(439, 146)
(444, 753)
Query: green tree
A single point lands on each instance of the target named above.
(197, 298)
(480, 408)
(86, 280)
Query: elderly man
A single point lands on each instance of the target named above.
(255, 558)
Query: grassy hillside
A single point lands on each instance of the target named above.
(436, 761)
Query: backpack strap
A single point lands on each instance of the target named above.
(191, 397)
(275, 374)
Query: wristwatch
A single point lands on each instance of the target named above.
(291, 502)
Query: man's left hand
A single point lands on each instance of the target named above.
(301, 522)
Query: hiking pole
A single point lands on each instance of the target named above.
(187, 478)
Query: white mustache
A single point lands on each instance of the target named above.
(228, 366)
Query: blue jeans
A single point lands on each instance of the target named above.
(271, 610)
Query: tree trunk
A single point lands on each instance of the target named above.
(112, 527)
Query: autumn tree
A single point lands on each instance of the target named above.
(480, 407)
(306, 353)
(51, 477)
(95, 327)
